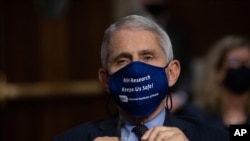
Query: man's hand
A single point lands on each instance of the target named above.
(164, 133)
(106, 139)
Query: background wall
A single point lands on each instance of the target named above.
(50, 57)
(49, 62)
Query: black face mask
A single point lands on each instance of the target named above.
(238, 79)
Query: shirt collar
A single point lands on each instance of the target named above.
(127, 128)
(157, 121)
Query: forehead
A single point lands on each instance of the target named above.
(124, 39)
(242, 53)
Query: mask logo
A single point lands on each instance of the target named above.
(123, 98)
(139, 88)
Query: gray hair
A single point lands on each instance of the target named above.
(136, 22)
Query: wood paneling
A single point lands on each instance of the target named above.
(45, 60)
(65, 47)
(206, 21)
(20, 34)
(87, 20)
(41, 119)
(53, 48)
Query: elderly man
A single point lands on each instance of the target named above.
(138, 70)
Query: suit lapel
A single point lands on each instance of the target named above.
(109, 128)
(173, 121)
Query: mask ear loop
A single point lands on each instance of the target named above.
(169, 96)
(108, 103)
(107, 106)
(111, 112)
(167, 64)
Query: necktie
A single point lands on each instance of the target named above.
(139, 130)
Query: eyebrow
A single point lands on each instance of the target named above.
(128, 55)
(147, 51)
(121, 55)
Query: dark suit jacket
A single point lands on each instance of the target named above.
(194, 130)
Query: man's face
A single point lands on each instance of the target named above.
(127, 46)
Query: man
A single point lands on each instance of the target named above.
(138, 69)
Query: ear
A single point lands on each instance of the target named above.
(173, 72)
(103, 78)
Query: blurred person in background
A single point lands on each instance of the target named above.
(225, 92)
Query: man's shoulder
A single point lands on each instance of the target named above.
(86, 131)
(204, 131)
(197, 130)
